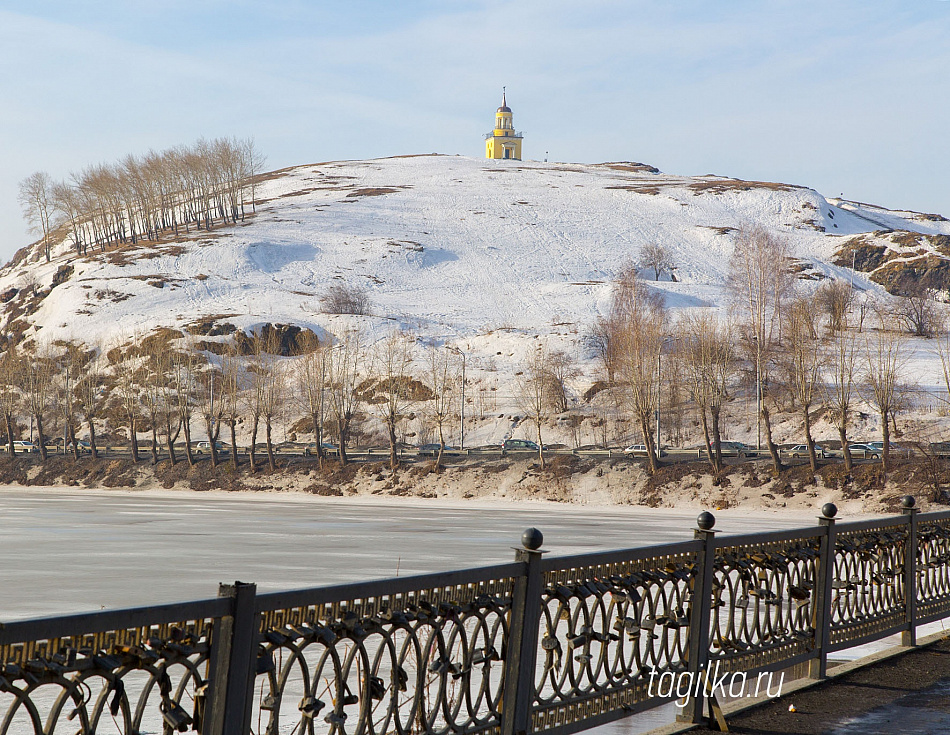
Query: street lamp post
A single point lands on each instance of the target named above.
(453, 348)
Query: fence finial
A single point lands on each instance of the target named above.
(829, 510)
(705, 521)
(532, 539)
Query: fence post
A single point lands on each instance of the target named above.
(909, 636)
(821, 612)
(522, 649)
(232, 665)
(700, 607)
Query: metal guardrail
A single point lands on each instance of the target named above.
(539, 645)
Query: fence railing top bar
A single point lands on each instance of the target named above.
(938, 515)
(769, 537)
(874, 524)
(382, 587)
(556, 563)
(21, 631)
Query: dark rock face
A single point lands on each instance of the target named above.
(285, 340)
(62, 275)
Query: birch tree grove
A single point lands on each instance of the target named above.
(146, 197)
(393, 360)
(886, 359)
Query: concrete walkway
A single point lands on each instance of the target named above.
(899, 690)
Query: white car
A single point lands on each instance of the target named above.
(865, 450)
(205, 448)
(801, 450)
(639, 450)
(24, 447)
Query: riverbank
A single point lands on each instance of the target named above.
(565, 479)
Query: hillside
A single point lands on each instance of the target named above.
(481, 254)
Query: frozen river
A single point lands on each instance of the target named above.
(67, 550)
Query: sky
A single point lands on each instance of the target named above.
(849, 97)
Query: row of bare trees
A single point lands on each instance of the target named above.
(162, 391)
(794, 353)
(143, 197)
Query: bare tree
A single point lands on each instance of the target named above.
(762, 280)
(918, 311)
(69, 371)
(341, 298)
(561, 370)
(532, 392)
(804, 366)
(657, 258)
(311, 383)
(394, 391)
(231, 395)
(640, 318)
(273, 393)
(184, 364)
(440, 379)
(834, 297)
(344, 363)
(37, 199)
(709, 360)
(10, 393)
(129, 377)
(211, 397)
(91, 395)
(886, 360)
(840, 390)
(38, 390)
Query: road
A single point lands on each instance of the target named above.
(80, 550)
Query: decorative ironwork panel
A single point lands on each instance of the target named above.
(868, 588)
(427, 660)
(933, 568)
(604, 629)
(130, 681)
(763, 602)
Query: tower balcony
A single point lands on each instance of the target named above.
(505, 134)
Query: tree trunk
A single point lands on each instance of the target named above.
(710, 454)
(270, 447)
(71, 436)
(848, 460)
(154, 445)
(133, 440)
(393, 457)
(317, 438)
(647, 442)
(42, 439)
(212, 441)
(93, 449)
(886, 436)
(770, 442)
(716, 412)
(234, 446)
(253, 451)
(10, 446)
(809, 442)
(186, 425)
(540, 446)
(342, 430)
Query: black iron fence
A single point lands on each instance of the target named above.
(540, 645)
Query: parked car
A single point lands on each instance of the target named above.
(801, 450)
(432, 450)
(940, 449)
(311, 449)
(24, 447)
(864, 451)
(83, 446)
(518, 445)
(205, 448)
(639, 450)
(734, 449)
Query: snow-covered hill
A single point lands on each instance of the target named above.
(483, 254)
(452, 246)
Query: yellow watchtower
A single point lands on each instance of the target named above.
(503, 141)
